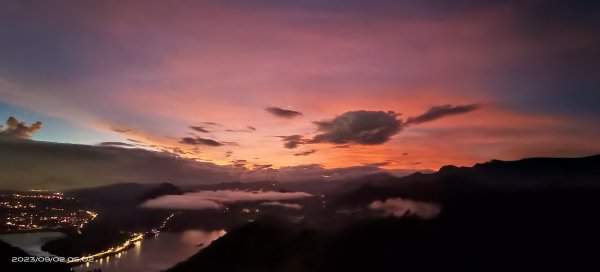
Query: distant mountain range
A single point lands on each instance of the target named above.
(449, 182)
(122, 194)
(495, 176)
(529, 215)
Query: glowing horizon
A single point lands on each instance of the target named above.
(145, 75)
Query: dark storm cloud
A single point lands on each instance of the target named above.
(200, 141)
(305, 153)
(283, 113)
(115, 144)
(16, 129)
(369, 127)
(43, 165)
(342, 146)
(248, 129)
(360, 127)
(199, 129)
(238, 163)
(33, 164)
(292, 141)
(438, 112)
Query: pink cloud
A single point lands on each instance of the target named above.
(282, 204)
(181, 202)
(215, 199)
(399, 207)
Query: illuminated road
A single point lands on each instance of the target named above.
(112, 250)
(115, 250)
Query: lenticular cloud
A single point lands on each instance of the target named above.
(215, 199)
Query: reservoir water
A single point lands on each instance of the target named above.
(149, 255)
(31, 242)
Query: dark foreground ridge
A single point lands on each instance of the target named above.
(528, 215)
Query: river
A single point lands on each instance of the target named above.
(31, 242)
(148, 255)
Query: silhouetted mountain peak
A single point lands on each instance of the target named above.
(455, 182)
(448, 168)
(162, 189)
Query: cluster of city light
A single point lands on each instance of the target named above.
(41, 210)
(16, 205)
(248, 210)
(92, 214)
(34, 222)
(164, 223)
(42, 196)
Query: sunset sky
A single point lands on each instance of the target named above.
(288, 83)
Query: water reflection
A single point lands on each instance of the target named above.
(192, 238)
(156, 254)
(31, 242)
(137, 249)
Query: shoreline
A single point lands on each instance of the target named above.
(129, 243)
